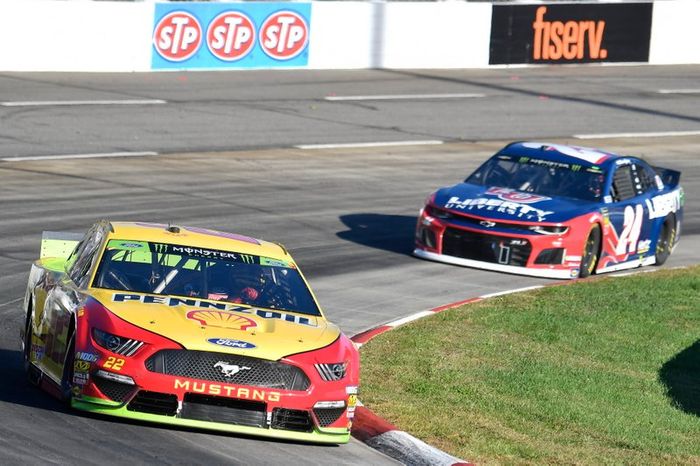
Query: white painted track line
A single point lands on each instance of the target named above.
(350, 98)
(52, 103)
(411, 318)
(369, 144)
(679, 91)
(517, 290)
(77, 156)
(651, 134)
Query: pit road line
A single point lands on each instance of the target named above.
(679, 91)
(651, 134)
(78, 156)
(354, 145)
(351, 98)
(53, 103)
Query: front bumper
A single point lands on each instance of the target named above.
(502, 246)
(332, 435)
(563, 274)
(162, 382)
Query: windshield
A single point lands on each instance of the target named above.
(544, 177)
(167, 269)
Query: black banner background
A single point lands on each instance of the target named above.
(625, 36)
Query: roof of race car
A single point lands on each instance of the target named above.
(560, 153)
(197, 237)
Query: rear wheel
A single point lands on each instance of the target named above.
(591, 253)
(667, 236)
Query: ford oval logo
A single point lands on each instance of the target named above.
(229, 343)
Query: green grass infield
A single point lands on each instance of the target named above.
(599, 371)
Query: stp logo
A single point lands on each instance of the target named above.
(284, 35)
(231, 36)
(177, 36)
(512, 195)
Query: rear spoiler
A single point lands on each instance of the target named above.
(671, 178)
(59, 243)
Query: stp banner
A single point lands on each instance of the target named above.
(570, 33)
(230, 35)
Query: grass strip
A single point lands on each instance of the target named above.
(601, 371)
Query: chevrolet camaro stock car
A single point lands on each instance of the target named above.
(554, 211)
(190, 327)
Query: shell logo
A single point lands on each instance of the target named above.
(221, 319)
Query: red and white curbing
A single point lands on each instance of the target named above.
(402, 446)
(387, 438)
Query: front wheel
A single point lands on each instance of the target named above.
(667, 236)
(68, 368)
(33, 374)
(591, 253)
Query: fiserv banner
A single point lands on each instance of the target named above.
(570, 33)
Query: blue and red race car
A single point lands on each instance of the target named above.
(554, 211)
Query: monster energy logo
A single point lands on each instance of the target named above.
(523, 159)
(247, 259)
(575, 168)
(160, 248)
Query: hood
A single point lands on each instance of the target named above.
(506, 204)
(206, 325)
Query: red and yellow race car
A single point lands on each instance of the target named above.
(187, 326)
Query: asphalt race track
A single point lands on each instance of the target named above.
(226, 160)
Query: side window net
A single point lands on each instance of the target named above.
(623, 188)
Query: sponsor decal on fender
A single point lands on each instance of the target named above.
(81, 366)
(82, 356)
(231, 391)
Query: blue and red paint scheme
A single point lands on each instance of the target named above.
(557, 212)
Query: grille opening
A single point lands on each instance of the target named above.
(328, 416)
(154, 403)
(550, 256)
(486, 248)
(115, 391)
(252, 371)
(427, 237)
(291, 419)
(224, 410)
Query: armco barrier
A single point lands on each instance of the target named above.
(51, 35)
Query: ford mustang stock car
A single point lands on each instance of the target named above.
(187, 326)
(554, 211)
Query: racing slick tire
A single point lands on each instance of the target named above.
(667, 236)
(33, 373)
(591, 252)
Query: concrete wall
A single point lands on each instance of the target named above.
(47, 35)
